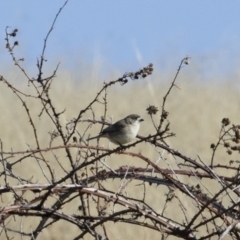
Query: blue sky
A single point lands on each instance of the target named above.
(126, 34)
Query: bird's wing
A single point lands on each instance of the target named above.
(113, 128)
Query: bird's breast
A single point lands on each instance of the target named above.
(134, 129)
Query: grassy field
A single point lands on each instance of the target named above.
(195, 108)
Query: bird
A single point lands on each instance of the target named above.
(122, 131)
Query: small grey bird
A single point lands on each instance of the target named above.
(123, 131)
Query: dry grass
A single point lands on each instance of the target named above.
(195, 115)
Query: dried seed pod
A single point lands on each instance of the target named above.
(212, 145)
(234, 148)
(165, 114)
(229, 152)
(226, 144)
(226, 121)
(152, 110)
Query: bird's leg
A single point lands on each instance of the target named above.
(120, 148)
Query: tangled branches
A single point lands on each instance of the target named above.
(68, 181)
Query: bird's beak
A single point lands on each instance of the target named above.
(141, 120)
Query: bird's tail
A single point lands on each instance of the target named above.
(92, 138)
